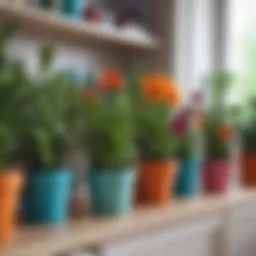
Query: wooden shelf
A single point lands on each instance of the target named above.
(54, 25)
(92, 231)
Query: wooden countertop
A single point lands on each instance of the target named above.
(91, 231)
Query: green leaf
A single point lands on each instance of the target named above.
(47, 54)
(44, 146)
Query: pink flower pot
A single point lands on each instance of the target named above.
(216, 176)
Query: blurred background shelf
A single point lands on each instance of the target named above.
(54, 26)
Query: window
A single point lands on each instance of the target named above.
(242, 48)
(200, 39)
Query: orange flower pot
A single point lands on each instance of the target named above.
(248, 172)
(155, 182)
(11, 182)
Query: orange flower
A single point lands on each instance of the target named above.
(111, 79)
(225, 132)
(157, 87)
(173, 95)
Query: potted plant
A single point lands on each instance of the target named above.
(248, 139)
(50, 132)
(109, 142)
(218, 134)
(187, 125)
(155, 98)
(12, 96)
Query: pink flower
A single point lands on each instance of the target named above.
(180, 123)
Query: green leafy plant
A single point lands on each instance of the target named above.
(218, 131)
(154, 99)
(109, 131)
(52, 124)
(154, 140)
(13, 99)
(219, 82)
(248, 127)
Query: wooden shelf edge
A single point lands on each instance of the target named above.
(54, 24)
(93, 231)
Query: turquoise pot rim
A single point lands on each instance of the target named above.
(94, 172)
(65, 172)
(111, 170)
(50, 170)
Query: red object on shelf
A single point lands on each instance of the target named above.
(216, 176)
(93, 13)
(248, 172)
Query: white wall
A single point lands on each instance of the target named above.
(68, 55)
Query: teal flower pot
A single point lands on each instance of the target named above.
(187, 182)
(111, 191)
(47, 195)
(73, 8)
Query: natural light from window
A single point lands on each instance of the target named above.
(242, 48)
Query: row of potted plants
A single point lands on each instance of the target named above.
(140, 140)
(119, 125)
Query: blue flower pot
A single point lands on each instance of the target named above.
(73, 8)
(187, 181)
(111, 191)
(47, 195)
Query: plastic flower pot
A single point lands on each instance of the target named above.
(216, 176)
(248, 172)
(187, 180)
(155, 180)
(11, 183)
(47, 196)
(73, 8)
(111, 191)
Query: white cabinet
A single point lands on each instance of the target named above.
(242, 232)
(196, 238)
(227, 233)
